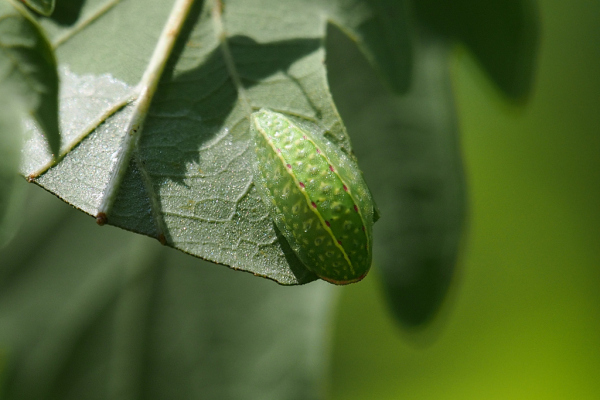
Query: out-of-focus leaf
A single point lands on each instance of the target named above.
(502, 34)
(189, 179)
(28, 72)
(44, 7)
(99, 313)
(10, 156)
(381, 29)
(408, 147)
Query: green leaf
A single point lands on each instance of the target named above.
(28, 69)
(11, 193)
(44, 7)
(181, 172)
(101, 313)
(502, 34)
(409, 152)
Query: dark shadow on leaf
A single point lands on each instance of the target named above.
(213, 95)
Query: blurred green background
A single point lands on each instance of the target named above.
(522, 321)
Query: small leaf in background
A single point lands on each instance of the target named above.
(44, 7)
(502, 34)
(382, 31)
(28, 70)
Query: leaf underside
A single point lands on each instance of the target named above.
(189, 181)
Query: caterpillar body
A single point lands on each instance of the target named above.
(316, 195)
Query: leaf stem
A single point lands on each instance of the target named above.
(146, 90)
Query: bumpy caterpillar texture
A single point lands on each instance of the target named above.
(317, 197)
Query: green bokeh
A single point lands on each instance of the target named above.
(523, 321)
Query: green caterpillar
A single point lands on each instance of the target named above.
(317, 197)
